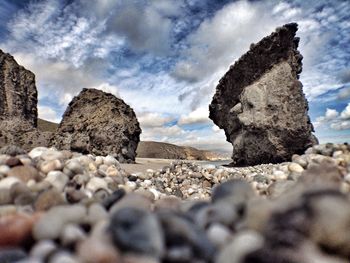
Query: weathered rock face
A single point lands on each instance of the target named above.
(18, 94)
(99, 123)
(18, 106)
(260, 102)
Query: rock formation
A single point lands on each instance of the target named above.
(99, 123)
(260, 102)
(18, 106)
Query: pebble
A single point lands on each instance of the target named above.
(24, 173)
(37, 152)
(51, 223)
(57, 179)
(12, 150)
(219, 235)
(13, 161)
(96, 183)
(73, 167)
(15, 229)
(295, 168)
(87, 209)
(12, 255)
(242, 244)
(52, 165)
(48, 199)
(96, 212)
(42, 249)
(4, 169)
(71, 234)
(110, 160)
(8, 182)
(5, 196)
(138, 231)
(63, 257)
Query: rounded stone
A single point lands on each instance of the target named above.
(132, 201)
(96, 183)
(5, 196)
(4, 169)
(73, 167)
(63, 257)
(15, 229)
(52, 165)
(42, 249)
(243, 243)
(48, 199)
(24, 173)
(12, 255)
(8, 182)
(12, 150)
(96, 213)
(37, 152)
(110, 160)
(57, 179)
(71, 234)
(52, 222)
(13, 161)
(219, 234)
(295, 168)
(135, 230)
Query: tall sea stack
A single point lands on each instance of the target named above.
(260, 102)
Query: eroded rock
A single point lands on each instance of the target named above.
(260, 102)
(99, 123)
(18, 106)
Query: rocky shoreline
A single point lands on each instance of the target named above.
(61, 206)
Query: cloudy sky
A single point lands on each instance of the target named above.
(165, 57)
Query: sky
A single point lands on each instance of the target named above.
(165, 57)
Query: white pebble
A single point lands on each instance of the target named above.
(219, 234)
(96, 183)
(57, 179)
(296, 168)
(110, 160)
(37, 152)
(8, 182)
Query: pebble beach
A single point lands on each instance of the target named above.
(61, 206)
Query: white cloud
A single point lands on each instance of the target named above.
(162, 133)
(48, 114)
(334, 120)
(345, 114)
(331, 114)
(197, 116)
(222, 39)
(215, 128)
(151, 120)
(57, 80)
(106, 87)
(341, 125)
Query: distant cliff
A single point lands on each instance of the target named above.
(150, 149)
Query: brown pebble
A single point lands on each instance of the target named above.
(24, 173)
(5, 196)
(16, 229)
(206, 184)
(48, 199)
(74, 196)
(13, 161)
(98, 249)
(169, 202)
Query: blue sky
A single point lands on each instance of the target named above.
(165, 57)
